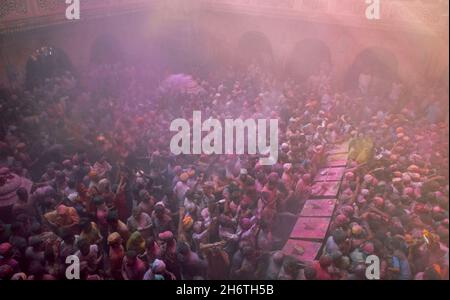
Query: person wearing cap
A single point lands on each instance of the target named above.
(158, 271)
(116, 225)
(169, 253)
(116, 255)
(136, 243)
(287, 178)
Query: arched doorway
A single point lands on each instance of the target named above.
(106, 49)
(309, 57)
(46, 62)
(378, 62)
(254, 48)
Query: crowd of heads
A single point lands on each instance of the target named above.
(107, 189)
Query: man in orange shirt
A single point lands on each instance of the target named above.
(63, 217)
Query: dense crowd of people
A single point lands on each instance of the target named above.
(107, 189)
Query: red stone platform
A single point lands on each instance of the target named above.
(337, 160)
(310, 228)
(328, 189)
(330, 174)
(336, 149)
(302, 250)
(318, 208)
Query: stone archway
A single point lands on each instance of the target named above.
(379, 62)
(46, 62)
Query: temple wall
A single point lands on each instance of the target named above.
(218, 34)
(414, 52)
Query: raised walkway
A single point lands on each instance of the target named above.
(311, 229)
